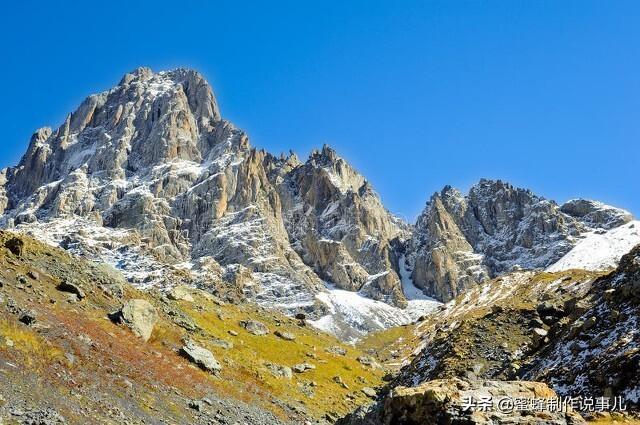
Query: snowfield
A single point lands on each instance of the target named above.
(600, 250)
(352, 315)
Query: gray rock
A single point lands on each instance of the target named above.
(369, 392)
(180, 292)
(217, 342)
(15, 246)
(287, 336)
(303, 367)
(337, 350)
(140, 316)
(279, 370)
(596, 214)
(254, 327)
(72, 288)
(28, 317)
(201, 356)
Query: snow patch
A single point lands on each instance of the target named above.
(352, 316)
(600, 250)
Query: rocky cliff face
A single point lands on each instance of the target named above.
(594, 348)
(338, 225)
(462, 240)
(148, 176)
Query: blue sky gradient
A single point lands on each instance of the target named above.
(415, 94)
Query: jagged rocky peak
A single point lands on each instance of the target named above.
(460, 240)
(338, 225)
(335, 169)
(148, 176)
(146, 120)
(443, 261)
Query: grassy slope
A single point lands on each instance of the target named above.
(77, 361)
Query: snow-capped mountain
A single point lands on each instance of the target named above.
(462, 240)
(150, 178)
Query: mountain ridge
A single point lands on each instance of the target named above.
(149, 177)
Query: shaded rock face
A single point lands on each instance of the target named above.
(150, 171)
(577, 331)
(460, 240)
(443, 402)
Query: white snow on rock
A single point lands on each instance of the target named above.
(352, 315)
(600, 250)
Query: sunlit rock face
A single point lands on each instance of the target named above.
(461, 240)
(149, 176)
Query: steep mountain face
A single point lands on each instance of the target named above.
(462, 240)
(148, 177)
(338, 225)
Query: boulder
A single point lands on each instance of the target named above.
(288, 336)
(15, 245)
(279, 371)
(140, 316)
(180, 293)
(221, 343)
(337, 350)
(66, 286)
(28, 317)
(303, 367)
(254, 327)
(200, 356)
(369, 392)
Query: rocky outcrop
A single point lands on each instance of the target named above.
(455, 401)
(574, 330)
(595, 348)
(460, 240)
(596, 214)
(255, 327)
(444, 263)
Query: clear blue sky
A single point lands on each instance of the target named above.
(416, 94)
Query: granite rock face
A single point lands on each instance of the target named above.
(339, 226)
(149, 177)
(461, 240)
